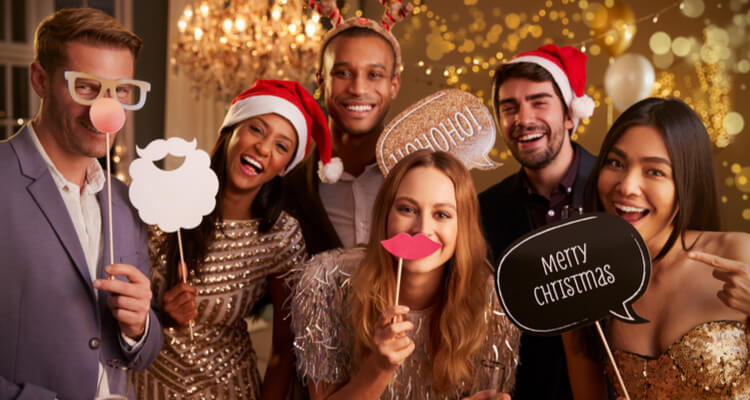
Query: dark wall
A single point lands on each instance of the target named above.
(149, 22)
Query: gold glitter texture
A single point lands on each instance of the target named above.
(708, 362)
(220, 363)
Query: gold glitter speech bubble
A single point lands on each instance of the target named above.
(450, 120)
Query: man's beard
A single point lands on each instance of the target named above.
(541, 160)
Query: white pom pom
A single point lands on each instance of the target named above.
(331, 172)
(582, 107)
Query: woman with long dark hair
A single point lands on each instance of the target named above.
(656, 171)
(239, 252)
(446, 338)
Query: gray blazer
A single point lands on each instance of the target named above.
(53, 330)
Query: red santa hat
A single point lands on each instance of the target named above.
(291, 101)
(567, 65)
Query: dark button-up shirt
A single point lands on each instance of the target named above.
(542, 210)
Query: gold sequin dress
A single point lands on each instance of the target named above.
(709, 362)
(324, 338)
(220, 363)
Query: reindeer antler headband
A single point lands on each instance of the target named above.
(394, 12)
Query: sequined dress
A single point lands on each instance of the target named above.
(709, 362)
(324, 337)
(220, 363)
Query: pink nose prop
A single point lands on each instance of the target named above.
(410, 248)
(107, 115)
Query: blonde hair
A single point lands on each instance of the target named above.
(457, 326)
(87, 25)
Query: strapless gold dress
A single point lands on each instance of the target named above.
(708, 362)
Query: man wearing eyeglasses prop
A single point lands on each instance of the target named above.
(62, 321)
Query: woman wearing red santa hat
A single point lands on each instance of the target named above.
(238, 253)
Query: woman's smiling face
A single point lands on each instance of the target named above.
(636, 183)
(260, 148)
(425, 203)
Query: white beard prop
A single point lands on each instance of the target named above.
(173, 199)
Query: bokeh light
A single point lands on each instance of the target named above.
(743, 66)
(660, 43)
(733, 123)
(681, 46)
(742, 180)
(692, 8)
(663, 61)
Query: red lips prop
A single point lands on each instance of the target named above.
(404, 246)
(411, 248)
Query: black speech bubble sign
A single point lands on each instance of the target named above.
(572, 273)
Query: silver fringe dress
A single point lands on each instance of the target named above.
(324, 337)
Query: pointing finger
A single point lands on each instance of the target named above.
(717, 262)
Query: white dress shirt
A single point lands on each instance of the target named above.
(349, 204)
(85, 212)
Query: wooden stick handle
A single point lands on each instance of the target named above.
(109, 208)
(183, 277)
(612, 360)
(182, 266)
(398, 278)
(495, 382)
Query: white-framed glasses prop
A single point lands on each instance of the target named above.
(86, 88)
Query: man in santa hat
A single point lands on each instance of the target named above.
(359, 76)
(538, 100)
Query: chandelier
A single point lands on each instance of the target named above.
(224, 46)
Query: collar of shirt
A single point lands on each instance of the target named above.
(82, 205)
(566, 185)
(367, 172)
(349, 203)
(542, 210)
(95, 178)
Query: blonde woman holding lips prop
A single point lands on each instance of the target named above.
(447, 338)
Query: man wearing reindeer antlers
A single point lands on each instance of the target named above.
(538, 99)
(65, 328)
(359, 76)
